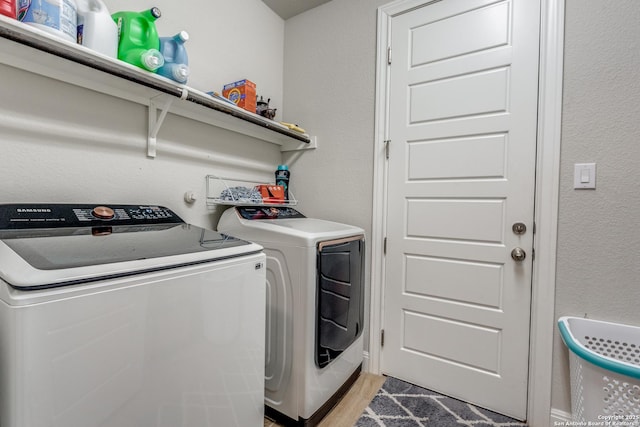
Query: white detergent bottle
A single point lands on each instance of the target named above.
(96, 29)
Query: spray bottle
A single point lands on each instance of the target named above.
(138, 41)
(176, 61)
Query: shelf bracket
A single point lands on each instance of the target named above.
(300, 146)
(155, 121)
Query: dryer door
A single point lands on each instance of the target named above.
(340, 297)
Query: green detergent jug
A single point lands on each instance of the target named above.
(138, 41)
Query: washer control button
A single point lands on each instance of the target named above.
(103, 212)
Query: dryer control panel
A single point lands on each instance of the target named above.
(26, 216)
(268, 212)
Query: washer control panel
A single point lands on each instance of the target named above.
(16, 216)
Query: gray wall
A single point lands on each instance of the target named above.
(329, 75)
(330, 89)
(599, 240)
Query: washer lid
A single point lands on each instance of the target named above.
(55, 257)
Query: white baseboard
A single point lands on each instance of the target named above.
(365, 362)
(559, 418)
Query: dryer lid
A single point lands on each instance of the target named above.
(289, 229)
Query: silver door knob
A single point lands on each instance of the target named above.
(519, 228)
(518, 254)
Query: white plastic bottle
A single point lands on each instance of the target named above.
(96, 29)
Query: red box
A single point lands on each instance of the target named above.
(242, 93)
(271, 193)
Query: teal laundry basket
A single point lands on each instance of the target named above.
(604, 360)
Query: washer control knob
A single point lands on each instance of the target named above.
(103, 212)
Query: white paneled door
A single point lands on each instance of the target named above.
(462, 105)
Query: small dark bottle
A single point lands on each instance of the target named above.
(282, 178)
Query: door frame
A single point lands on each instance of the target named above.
(546, 199)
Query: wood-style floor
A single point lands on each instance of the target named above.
(350, 407)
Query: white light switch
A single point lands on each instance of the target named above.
(584, 176)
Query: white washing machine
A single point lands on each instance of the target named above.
(125, 316)
(315, 303)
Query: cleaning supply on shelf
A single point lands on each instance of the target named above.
(176, 61)
(96, 29)
(8, 8)
(272, 194)
(57, 17)
(22, 6)
(282, 178)
(293, 127)
(138, 41)
(242, 93)
(219, 97)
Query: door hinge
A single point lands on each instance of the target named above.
(384, 246)
(389, 55)
(382, 338)
(387, 143)
(534, 228)
(533, 254)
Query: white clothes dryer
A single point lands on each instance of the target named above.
(315, 307)
(114, 316)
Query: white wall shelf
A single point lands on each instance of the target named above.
(30, 49)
